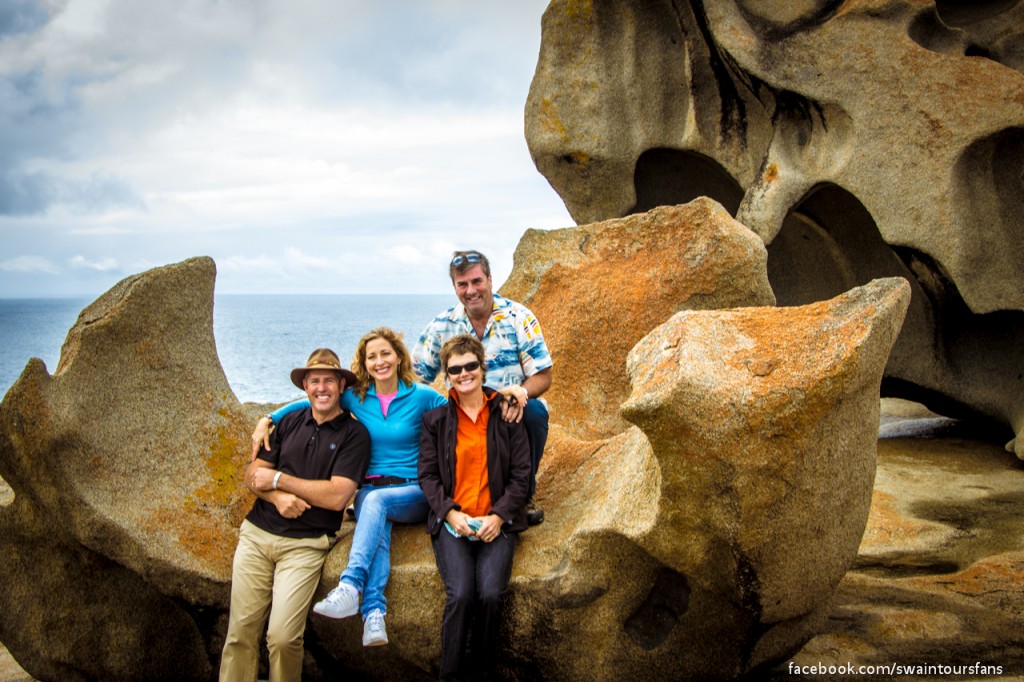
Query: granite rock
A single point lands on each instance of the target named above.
(860, 140)
(126, 466)
(706, 540)
(598, 289)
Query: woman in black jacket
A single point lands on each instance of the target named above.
(474, 470)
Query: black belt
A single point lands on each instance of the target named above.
(378, 481)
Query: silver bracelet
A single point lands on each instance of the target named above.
(277, 477)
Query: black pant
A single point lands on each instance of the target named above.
(475, 576)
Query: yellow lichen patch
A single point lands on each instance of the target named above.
(771, 173)
(207, 516)
(225, 462)
(550, 120)
(580, 157)
(579, 9)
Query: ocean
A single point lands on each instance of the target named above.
(259, 337)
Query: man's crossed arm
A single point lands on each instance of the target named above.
(294, 495)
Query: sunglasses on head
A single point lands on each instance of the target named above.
(456, 370)
(468, 258)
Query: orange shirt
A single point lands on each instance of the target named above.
(471, 492)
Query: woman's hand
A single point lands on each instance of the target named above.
(513, 402)
(490, 527)
(261, 436)
(460, 522)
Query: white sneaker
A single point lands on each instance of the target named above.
(341, 602)
(374, 633)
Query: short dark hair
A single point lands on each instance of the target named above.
(458, 345)
(464, 260)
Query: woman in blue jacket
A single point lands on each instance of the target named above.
(390, 401)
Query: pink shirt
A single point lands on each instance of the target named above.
(385, 401)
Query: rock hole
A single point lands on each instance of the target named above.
(666, 177)
(653, 620)
(827, 245)
(931, 33)
(966, 12)
(990, 193)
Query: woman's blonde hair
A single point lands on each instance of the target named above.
(405, 370)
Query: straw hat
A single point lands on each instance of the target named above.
(322, 358)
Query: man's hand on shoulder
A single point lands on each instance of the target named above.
(513, 402)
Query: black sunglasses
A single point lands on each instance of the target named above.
(468, 258)
(456, 370)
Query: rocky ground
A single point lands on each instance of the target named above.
(939, 577)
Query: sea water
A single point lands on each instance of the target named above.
(259, 337)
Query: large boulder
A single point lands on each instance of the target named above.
(763, 421)
(704, 541)
(862, 139)
(598, 289)
(125, 466)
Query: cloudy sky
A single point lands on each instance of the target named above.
(322, 146)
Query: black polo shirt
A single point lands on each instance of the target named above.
(301, 447)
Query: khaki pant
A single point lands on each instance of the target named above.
(274, 574)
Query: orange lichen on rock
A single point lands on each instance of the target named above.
(795, 342)
(988, 575)
(598, 289)
(886, 524)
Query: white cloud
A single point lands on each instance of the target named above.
(30, 264)
(246, 265)
(102, 265)
(99, 231)
(278, 137)
(406, 253)
(298, 260)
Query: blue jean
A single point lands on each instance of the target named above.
(535, 418)
(369, 560)
(475, 576)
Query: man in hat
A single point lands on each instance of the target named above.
(302, 485)
(518, 361)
